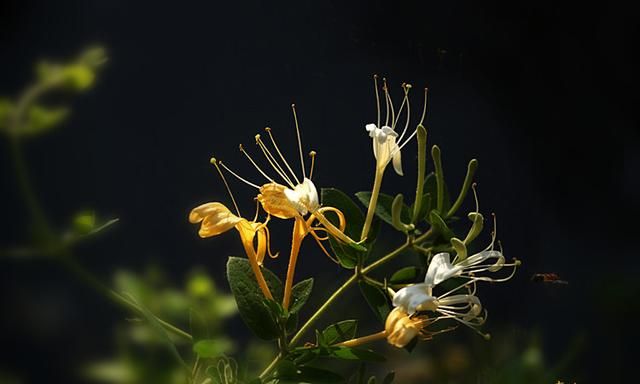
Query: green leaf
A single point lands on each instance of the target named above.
(376, 299)
(383, 208)
(347, 254)
(39, 119)
(389, 378)
(159, 329)
(346, 353)
(211, 348)
(339, 332)
(300, 293)
(84, 222)
(288, 373)
(405, 275)
(198, 326)
(6, 108)
(252, 305)
(372, 380)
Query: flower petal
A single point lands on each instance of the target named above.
(397, 161)
(414, 298)
(275, 202)
(215, 218)
(440, 269)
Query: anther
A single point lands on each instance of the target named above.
(257, 137)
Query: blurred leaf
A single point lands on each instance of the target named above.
(339, 332)
(383, 208)
(84, 222)
(198, 326)
(346, 353)
(211, 348)
(288, 373)
(159, 329)
(405, 275)
(388, 379)
(200, 285)
(376, 299)
(300, 293)
(6, 108)
(252, 305)
(39, 119)
(346, 254)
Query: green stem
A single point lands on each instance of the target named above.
(321, 310)
(373, 203)
(115, 297)
(270, 367)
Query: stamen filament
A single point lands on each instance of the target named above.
(375, 85)
(424, 107)
(224, 180)
(312, 154)
(386, 101)
(295, 118)
(238, 176)
(273, 141)
(241, 147)
(272, 161)
(407, 88)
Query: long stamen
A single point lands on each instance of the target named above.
(404, 101)
(224, 180)
(273, 141)
(386, 101)
(272, 161)
(375, 86)
(312, 154)
(388, 96)
(295, 118)
(241, 147)
(407, 88)
(424, 107)
(399, 148)
(238, 176)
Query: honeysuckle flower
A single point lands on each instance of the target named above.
(463, 308)
(215, 218)
(400, 328)
(294, 198)
(387, 143)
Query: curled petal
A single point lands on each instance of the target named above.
(275, 202)
(397, 161)
(441, 269)
(414, 298)
(215, 219)
(401, 328)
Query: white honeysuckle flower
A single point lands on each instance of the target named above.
(385, 147)
(304, 197)
(387, 143)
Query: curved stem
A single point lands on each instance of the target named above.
(373, 203)
(270, 367)
(86, 277)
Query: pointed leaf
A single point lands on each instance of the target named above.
(376, 299)
(253, 306)
(300, 293)
(339, 332)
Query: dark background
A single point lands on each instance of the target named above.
(543, 94)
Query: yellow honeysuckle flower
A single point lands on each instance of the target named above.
(294, 198)
(215, 218)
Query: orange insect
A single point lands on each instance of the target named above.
(549, 278)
